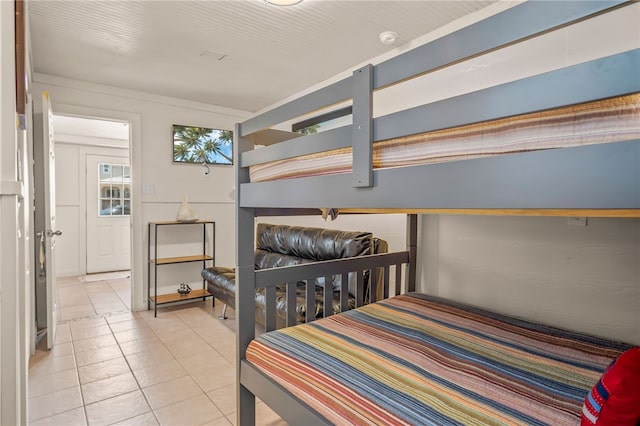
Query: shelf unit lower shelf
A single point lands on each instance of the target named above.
(181, 259)
(162, 299)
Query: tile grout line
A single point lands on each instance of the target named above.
(134, 378)
(119, 297)
(201, 388)
(75, 362)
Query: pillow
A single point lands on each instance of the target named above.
(615, 399)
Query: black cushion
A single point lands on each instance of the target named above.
(221, 282)
(312, 243)
(283, 245)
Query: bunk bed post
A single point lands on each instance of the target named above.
(362, 128)
(412, 247)
(245, 284)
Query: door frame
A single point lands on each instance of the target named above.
(135, 158)
(13, 232)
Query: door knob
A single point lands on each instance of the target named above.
(51, 233)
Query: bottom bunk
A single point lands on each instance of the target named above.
(418, 359)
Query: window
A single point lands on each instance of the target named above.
(330, 120)
(114, 181)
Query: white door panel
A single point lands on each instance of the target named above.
(103, 233)
(108, 236)
(50, 233)
(125, 243)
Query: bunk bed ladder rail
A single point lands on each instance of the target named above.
(269, 279)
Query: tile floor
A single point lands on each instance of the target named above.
(112, 366)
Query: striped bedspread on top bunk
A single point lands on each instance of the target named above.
(417, 359)
(603, 121)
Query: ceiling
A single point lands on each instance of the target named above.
(88, 127)
(256, 54)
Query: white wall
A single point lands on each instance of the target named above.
(164, 183)
(584, 278)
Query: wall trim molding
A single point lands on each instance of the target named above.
(52, 80)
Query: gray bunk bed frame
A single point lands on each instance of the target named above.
(590, 180)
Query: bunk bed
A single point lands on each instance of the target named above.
(331, 370)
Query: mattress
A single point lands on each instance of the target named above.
(417, 359)
(603, 121)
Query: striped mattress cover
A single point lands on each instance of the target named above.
(417, 359)
(609, 120)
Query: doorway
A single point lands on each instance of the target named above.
(94, 196)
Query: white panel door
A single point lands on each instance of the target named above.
(48, 236)
(108, 213)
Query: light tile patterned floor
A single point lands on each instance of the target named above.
(111, 366)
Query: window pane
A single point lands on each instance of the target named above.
(116, 209)
(116, 192)
(115, 189)
(105, 207)
(116, 172)
(105, 190)
(105, 172)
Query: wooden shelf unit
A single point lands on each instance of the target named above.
(155, 261)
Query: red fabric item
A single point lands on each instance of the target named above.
(615, 399)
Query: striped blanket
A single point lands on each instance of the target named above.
(603, 121)
(417, 359)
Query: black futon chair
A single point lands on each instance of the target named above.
(283, 245)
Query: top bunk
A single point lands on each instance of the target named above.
(564, 141)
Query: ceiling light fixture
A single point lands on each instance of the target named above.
(388, 37)
(283, 2)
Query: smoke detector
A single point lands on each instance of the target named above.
(388, 37)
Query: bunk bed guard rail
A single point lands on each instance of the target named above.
(615, 75)
(291, 275)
